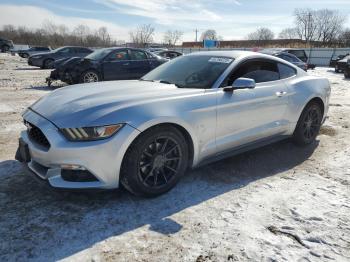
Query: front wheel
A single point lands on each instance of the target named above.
(308, 125)
(155, 162)
(48, 63)
(89, 77)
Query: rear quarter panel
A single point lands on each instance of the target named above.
(302, 89)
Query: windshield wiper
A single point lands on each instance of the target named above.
(169, 83)
(148, 80)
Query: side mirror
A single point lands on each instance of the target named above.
(241, 83)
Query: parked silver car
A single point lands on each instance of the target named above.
(189, 111)
(33, 51)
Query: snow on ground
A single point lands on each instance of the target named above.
(280, 202)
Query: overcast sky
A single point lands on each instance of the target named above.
(232, 19)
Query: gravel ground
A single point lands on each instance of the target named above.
(280, 202)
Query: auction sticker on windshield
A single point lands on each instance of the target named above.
(220, 60)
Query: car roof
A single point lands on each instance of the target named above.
(281, 49)
(222, 53)
(233, 54)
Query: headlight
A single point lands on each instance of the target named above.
(90, 133)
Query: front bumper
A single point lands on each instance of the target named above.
(101, 158)
(35, 62)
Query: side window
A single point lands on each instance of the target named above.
(286, 71)
(84, 50)
(118, 56)
(259, 70)
(285, 57)
(138, 55)
(172, 55)
(65, 50)
(299, 54)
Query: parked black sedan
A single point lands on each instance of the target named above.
(46, 60)
(341, 64)
(335, 59)
(117, 63)
(347, 69)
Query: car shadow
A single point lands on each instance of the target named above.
(45, 87)
(38, 222)
(28, 68)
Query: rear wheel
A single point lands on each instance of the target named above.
(5, 48)
(336, 69)
(48, 63)
(347, 73)
(308, 125)
(89, 77)
(155, 162)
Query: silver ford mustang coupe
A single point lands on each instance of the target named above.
(144, 134)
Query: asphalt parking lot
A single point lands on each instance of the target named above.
(280, 202)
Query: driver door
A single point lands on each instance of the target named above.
(116, 65)
(245, 116)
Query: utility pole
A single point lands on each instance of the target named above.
(196, 30)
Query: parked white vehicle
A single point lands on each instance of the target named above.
(189, 111)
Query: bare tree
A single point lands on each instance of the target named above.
(329, 25)
(261, 33)
(104, 36)
(288, 33)
(143, 35)
(57, 35)
(305, 21)
(210, 34)
(171, 37)
(344, 38)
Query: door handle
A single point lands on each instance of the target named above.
(126, 64)
(281, 93)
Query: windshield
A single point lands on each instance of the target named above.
(99, 54)
(194, 71)
(58, 49)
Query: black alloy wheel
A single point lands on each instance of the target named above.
(159, 162)
(309, 124)
(155, 161)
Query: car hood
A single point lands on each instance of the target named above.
(99, 103)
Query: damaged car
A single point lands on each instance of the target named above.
(106, 64)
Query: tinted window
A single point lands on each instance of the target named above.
(286, 71)
(83, 50)
(298, 53)
(65, 50)
(138, 55)
(119, 55)
(259, 70)
(42, 48)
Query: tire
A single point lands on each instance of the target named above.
(89, 76)
(5, 48)
(48, 63)
(308, 125)
(347, 73)
(25, 55)
(155, 162)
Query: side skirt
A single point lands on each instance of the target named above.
(242, 149)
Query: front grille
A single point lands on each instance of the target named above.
(37, 136)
